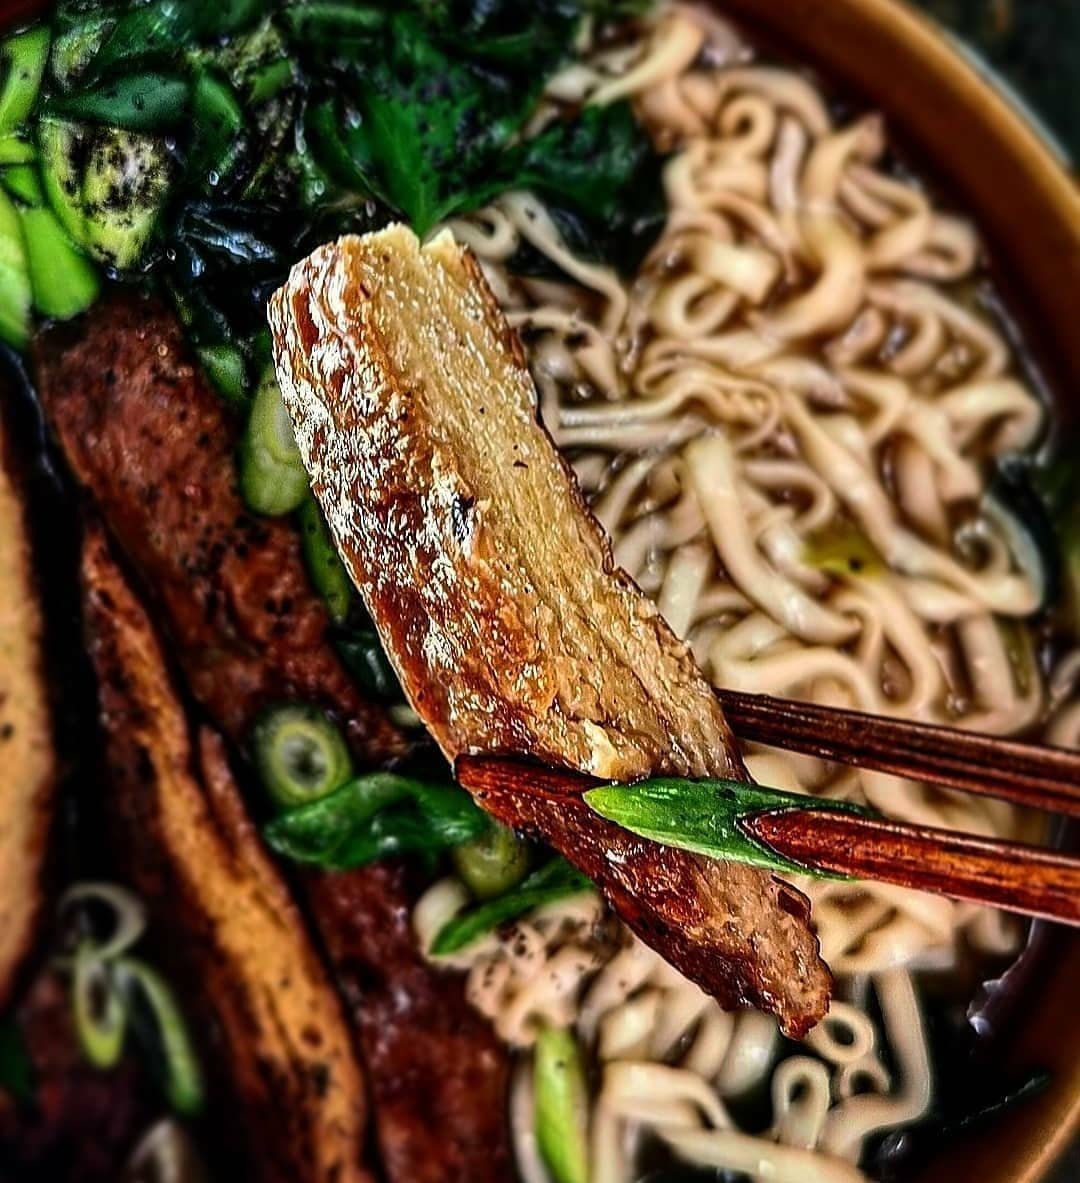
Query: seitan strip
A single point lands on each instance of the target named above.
(495, 593)
(298, 1094)
(151, 442)
(27, 756)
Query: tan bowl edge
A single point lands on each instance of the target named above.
(994, 162)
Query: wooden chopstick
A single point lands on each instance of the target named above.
(1010, 875)
(1031, 774)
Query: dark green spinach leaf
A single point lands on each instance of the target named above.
(377, 816)
(426, 129)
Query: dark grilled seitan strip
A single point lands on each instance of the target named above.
(27, 758)
(297, 1088)
(149, 439)
(495, 593)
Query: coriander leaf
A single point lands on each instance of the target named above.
(557, 880)
(705, 816)
(335, 27)
(158, 30)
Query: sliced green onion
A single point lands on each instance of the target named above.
(379, 815)
(14, 150)
(323, 562)
(273, 480)
(138, 102)
(225, 367)
(706, 816)
(63, 281)
(100, 1012)
(493, 863)
(183, 1076)
(61, 143)
(127, 915)
(23, 183)
(558, 880)
(24, 56)
(560, 1101)
(16, 293)
(300, 754)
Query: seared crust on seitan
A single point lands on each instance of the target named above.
(495, 593)
(27, 757)
(297, 1088)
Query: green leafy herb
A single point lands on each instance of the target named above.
(706, 816)
(601, 181)
(427, 129)
(16, 1066)
(556, 881)
(377, 816)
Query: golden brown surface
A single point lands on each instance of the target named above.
(296, 1088)
(495, 593)
(27, 761)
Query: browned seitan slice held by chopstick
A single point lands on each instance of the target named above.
(495, 593)
(27, 757)
(295, 1088)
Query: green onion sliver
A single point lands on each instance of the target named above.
(560, 1104)
(556, 881)
(323, 562)
(492, 864)
(127, 915)
(183, 1075)
(15, 290)
(706, 817)
(24, 60)
(100, 1012)
(273, 480)
(64, 282)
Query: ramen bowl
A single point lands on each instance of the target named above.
(959, 125)
(989, 162)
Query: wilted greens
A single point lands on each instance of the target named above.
(211, 144)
